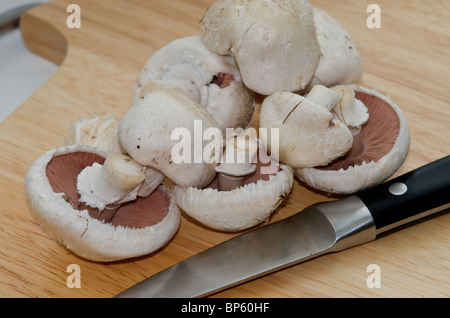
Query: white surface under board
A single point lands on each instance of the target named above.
(21, 72)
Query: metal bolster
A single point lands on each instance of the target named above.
(351, 220)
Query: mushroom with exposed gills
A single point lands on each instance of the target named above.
(209, 79)
(379, 148)
(273, 42)
(243, 203)
(232, 170)
(127, 230)
(309, 136)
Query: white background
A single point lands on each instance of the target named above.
(21, 72)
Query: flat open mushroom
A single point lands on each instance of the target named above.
(378, 150)
(209, 79)
(255, 194)
(127, 230)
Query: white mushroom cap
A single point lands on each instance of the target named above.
(97, 130)
(308, 135)
(146, 130)
(240, 208)
(76, 229)
(368, 163)
(273, 42)
(340, 61)
(212, 80)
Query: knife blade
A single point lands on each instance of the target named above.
(319, 229)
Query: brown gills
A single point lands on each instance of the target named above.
(376, 138)
(62, 172)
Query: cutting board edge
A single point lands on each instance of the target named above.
(42, 37)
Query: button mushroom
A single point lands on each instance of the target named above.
(146, 133)
(273, 42)
(379, 149)
(309, 136)
(247, 205)
(212, 80)
(131, 229)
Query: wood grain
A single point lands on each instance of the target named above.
(407, 58)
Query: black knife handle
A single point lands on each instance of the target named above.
(413, 193)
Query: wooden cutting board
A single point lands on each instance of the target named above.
(407, 59)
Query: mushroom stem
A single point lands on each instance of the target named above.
(323, 96)
(349, 110)
(232, 171)
(118, 180)
(153, 178)
(228, 182)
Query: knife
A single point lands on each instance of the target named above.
(319, 229)
(10, 18)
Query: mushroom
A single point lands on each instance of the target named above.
(379, 149)
(97, 130)
(309, 136)
(340, 61)
(205, 77)
(147, 132)
(273, 42)
(132, 229)
(247, 205)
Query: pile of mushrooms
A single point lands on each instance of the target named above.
(102, 194)
(339, 137)
(209, 79)
(247, 188)
(339, 140)
(281, 45)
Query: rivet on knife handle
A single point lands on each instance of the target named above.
(409, 196)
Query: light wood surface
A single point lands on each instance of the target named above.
(407, 58)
